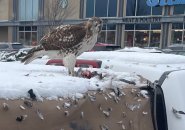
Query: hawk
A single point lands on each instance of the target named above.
(67, 42)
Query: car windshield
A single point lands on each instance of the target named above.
(17, 46)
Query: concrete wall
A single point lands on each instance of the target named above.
(4, 9)
(3, 34)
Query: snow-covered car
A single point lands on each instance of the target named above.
(168, 101)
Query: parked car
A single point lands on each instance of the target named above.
(168, 104)
(105, 47)
(178, 49)
(6, 46)
(79, 63)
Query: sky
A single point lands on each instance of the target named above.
(53, 82)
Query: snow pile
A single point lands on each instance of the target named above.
(137, 49)
(12, 56)
(135, 57)
(149, 65)
(52, 82)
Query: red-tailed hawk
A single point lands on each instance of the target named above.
(67, 42)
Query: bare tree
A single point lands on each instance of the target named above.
(57, 11)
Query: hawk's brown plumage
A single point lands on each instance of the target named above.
(67, 42)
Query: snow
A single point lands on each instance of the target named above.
(149, 65)
(174, 98)
(53, 82)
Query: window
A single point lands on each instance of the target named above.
(101, 8)
(155, 38)
(155, 35)
(157, 10)
(177, 32)
(142, 8)
(142, 35)
(131, 8)
(28, 35)
(129, 35)
(28, 10)
(179, 9)
(108, 34)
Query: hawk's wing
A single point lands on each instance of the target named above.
(64, 37)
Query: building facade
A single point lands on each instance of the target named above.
(138, 23)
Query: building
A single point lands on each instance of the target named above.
(142, 23)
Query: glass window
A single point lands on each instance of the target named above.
(131, 8)
(28, 10)
(155, 38)
(90, 8)
(111, 37)
(21, 28)
(155, 26)
(101, 8)
(157, 10)
(177, 26)
(102, 37)
(22, 9)
(35, 9)
(141, 38)
(111, 27)
(28, 36)
(142, 26)
(129, 26)
(142, 8)
(21, 37)
(179, 9)
(112, 11)
(129, 35)
(34, 28)
(176, 36)
(34, 38)
(27, 28)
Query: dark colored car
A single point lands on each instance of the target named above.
(79, 63)
(9, 47)
(105, 47)
(178, 49)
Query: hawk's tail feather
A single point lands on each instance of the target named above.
(34, 53)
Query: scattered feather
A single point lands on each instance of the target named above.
(40, 114)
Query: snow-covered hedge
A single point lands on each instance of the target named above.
(12, 56)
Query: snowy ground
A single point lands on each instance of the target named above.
(52, 81)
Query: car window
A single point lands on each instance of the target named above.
(3, 46)
(17, 46)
